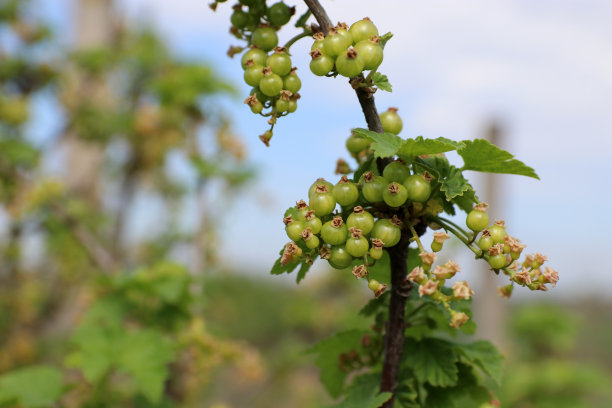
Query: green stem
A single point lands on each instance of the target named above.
(477, 252)
(416, 238)
(465, 233)
(306, 33)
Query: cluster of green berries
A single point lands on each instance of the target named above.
(267, 67)
(347, 51)
(502, 252)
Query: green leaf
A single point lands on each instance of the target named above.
(364, 393)
(328, 352)
(304, 267)
(368, 165)
(480, 155)
(484, 355)
(144, 355)
(454, 184)
(34, 386)
(420, 146)
(384, 39)
(301, 22)
(432, 360)
(374, 305)
(381, 82)
(385, 144)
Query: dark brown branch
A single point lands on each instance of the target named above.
(394, 337)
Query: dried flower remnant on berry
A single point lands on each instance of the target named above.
(288, 220)
(428, 258)
(428, 288)
(505, 291)
(417, 274)
(377, 243)
(523, 277)
(301, 205)
(337, 222)
(440, 237)
(342, 167)
(359, 271)
(481, 207)
(325, 253)
(496, 249)
(458, 319)
(355, 232)
(461, 290)
(551, 276)
(307, 234)
(291, 252)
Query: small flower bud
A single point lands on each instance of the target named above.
(551, 276)
(428, 258)
(522, 277)
(377, 287)
(538, 260)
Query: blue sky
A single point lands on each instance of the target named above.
(544, 69)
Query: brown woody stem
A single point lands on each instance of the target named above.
(394, 337)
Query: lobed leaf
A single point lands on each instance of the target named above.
(432, 361)
(485, 356)
(364, 393)
(31, 387)
(420, 146)
(385, 144)
(480, 155)
(381, 82)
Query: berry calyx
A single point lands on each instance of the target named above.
(254, 103)
(311, 240)
(376, 252)
(377, 287)
(318, 42)
(319, 182)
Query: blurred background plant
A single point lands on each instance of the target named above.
(102, 307)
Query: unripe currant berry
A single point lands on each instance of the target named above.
(436, 246)
(388, 231)
(292, 106)
(396, 171)
(319, 182)
(390, 121)
(293, 228)
(356, 144)
(271, 84)
(258, 56)
(339, 258)
(373, 187)
(497, 261)
(349, 63)
(318, 43)
(371, 52)
(292, 81)
(334, 232)
(302, 210)
(241, 19)
(265, 38)
(485, 242)
(321, 64)
(357, 245)
(279, 62)
(377, 287)
(282, 103)
(253, 73)
(313, 222)
(360, 219)
(418, 187)
(322, 202)
(376, 252)
(254, 103)
(395, 195)
(279, 14)
(343, 30)
(477, 219)
(335, 43)
(345, 192)
(311, 240)
(498, 233)
(363, 30)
